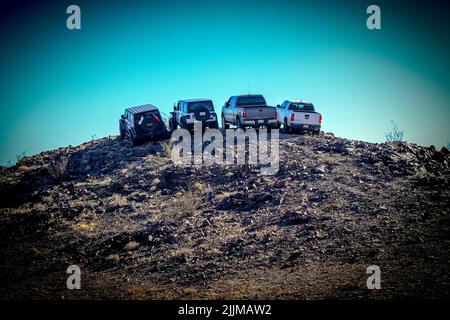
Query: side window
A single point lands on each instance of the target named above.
(228, 103)
(178, 106)
(287, 104)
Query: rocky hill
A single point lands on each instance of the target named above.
(140, 227)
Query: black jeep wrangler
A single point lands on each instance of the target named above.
(142, 123)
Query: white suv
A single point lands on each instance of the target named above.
(187, 112)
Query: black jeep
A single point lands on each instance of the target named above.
(142, 123)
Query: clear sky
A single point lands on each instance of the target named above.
(60, 87)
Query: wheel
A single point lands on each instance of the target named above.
(224, 124)
(274, 126)
(215, 125)
(133, 140)
(206, 113)
(239, 123)
(285, 126)
(172, 125)
(122, 132)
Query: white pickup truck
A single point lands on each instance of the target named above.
(299, 115)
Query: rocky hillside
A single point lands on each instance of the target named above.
(140, 227)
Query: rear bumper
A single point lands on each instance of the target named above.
(157, 134)
(211, 120)
(312, 127)
(260, 123)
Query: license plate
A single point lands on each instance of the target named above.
(305, 126)
(260, 121)
(203, 113)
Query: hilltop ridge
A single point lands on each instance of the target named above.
(141, 227)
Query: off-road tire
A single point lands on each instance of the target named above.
(122, 132)
(172, 125)
(239, 124)
(286, 128)
(224, 124)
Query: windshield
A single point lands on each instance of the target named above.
(302, 106)
(192, 106)
(250, 101)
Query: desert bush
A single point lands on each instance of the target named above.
(20, 156)
(58, 168)
(394, 133)
(187, 203)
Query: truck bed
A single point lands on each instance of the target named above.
(259, 112)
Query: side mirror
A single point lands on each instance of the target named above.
(278, 105)
(174, 108)
(122, 117)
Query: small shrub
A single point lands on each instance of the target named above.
(20, 156)
(187, 203)
(394, 134)
(58, 168)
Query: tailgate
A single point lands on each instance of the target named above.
(262, 112)
(307, 118)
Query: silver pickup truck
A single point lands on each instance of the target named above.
(248, 111)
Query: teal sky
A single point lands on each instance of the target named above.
(60, 87)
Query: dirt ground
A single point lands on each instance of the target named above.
(140, 227)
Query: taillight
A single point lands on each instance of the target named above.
(244, 114)
(276, 113)
(156, 117)
(292, 117)
(320, 119)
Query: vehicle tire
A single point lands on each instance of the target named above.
(274, 126)
(239, 124)
(199, 117)
(214, 125)
(225, 125)
(183, 124)
(122, 132)
(285, 126)
(149, 124)
(172, 125)
(133, 140)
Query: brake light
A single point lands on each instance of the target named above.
(244, 114)
(276, 113)
(156, 117)
(320, 119)
(292, 117)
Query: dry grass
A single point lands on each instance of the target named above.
(117, 200)
(58, 169)
(328, 159)
(186, 203)
(338, 203)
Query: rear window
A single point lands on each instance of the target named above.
(250, 101)
(301, 107)
(192, 106)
